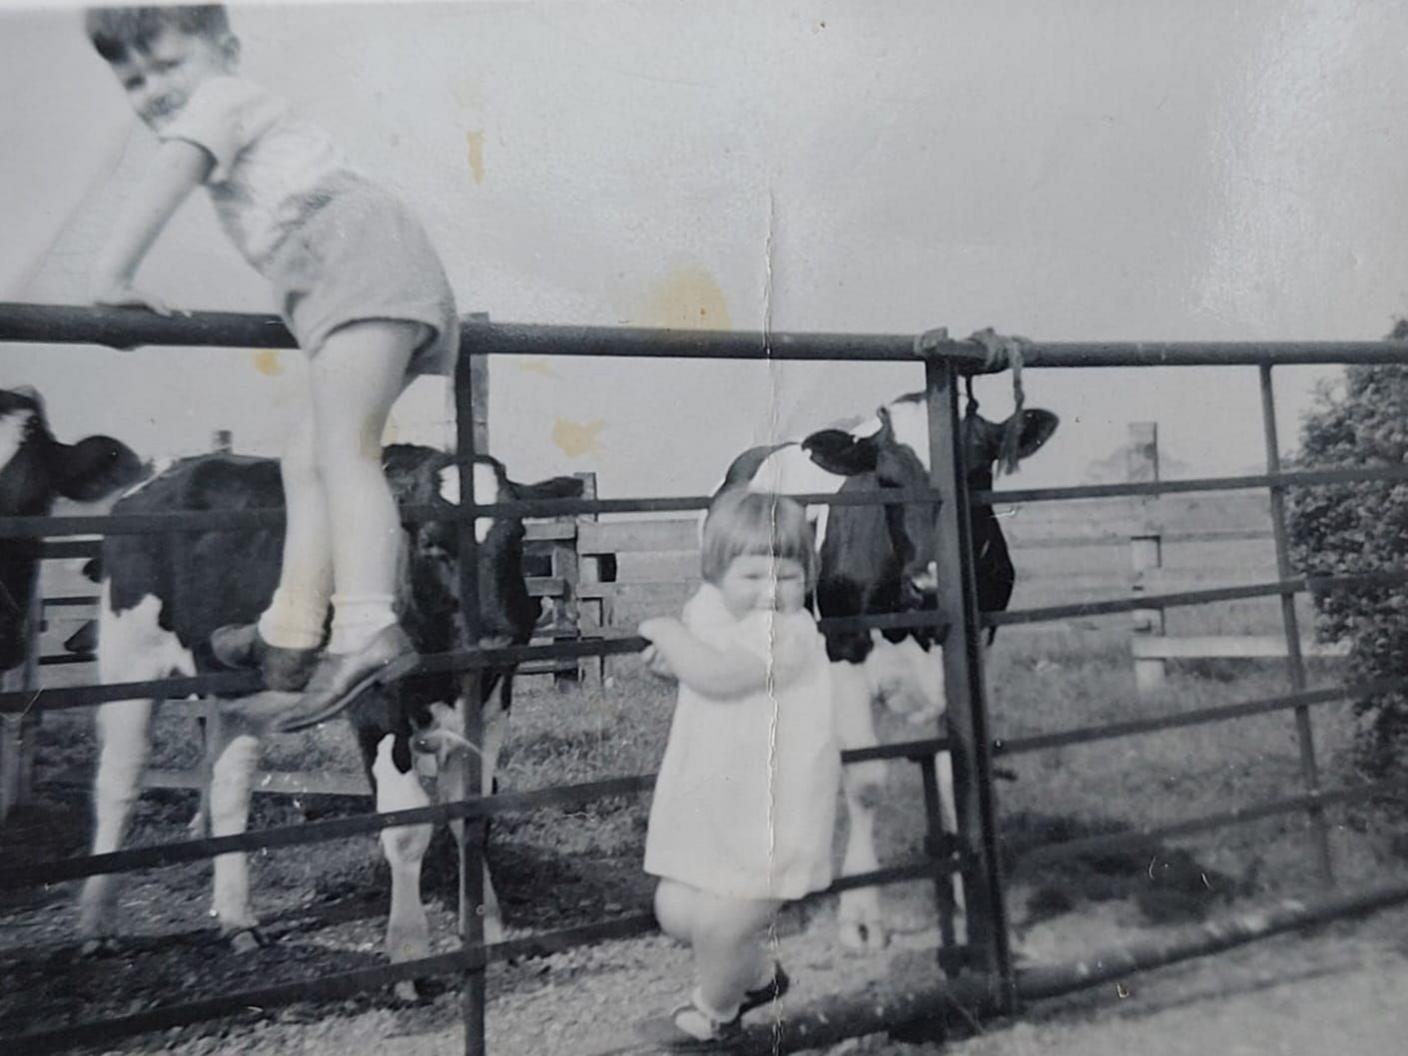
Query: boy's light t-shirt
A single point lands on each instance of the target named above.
(272, 168)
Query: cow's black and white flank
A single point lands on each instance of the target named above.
(877, 559)
(35, 468)
(160, 601)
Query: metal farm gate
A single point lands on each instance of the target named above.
(977, 978)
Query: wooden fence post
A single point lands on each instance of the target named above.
(1146, 548)
(566, 568)
(588, 568)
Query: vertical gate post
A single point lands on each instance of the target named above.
(471, 436)
(19, 732)
(1295, 664)
(964, 689)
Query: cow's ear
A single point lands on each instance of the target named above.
(1037, 427)
(94, 468)
(842, 453)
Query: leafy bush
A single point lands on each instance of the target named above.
(1349, 528)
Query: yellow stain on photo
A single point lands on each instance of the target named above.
(575, 439)
(685, 298)
(474, 149)
(266, 361)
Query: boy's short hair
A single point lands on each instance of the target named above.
(742, 522)
(117, 31)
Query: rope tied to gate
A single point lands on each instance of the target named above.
(1001, 352)
(1007, 350)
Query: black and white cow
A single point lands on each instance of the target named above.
(876, 559)
(160, 601)
(35, 469)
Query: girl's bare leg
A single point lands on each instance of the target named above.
(729, 952)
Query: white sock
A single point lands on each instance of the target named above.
(293, 621)
(356, 618)
(697, 999)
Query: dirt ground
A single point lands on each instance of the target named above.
(1337, 989)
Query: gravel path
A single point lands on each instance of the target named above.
(1338, 990)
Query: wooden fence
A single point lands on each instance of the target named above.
(633, 568)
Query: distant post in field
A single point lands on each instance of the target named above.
(222, 442)
(1145, 547)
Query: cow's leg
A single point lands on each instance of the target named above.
(495, 731)
(452, 786)
(948, 814)
(124, 730)
(236, 759)
(861, 924)
(407, 928)
(132, 647)
(212, 738)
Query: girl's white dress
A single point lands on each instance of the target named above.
(745, 803)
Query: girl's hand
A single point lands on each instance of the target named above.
(658, 627)
(125, 295)
(653, 630)
(657, 665)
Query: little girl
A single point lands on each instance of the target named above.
(745, 802)
(359, 286)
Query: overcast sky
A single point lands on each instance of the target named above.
(1100, 170)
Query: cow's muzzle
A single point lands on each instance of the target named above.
(921, 586)
(442, 743)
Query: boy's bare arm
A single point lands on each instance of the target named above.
(701, 667)
(178, 169)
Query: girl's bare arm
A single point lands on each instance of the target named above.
(178, 169)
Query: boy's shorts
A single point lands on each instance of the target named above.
(362, 256)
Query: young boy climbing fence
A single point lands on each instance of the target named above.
(357, 283)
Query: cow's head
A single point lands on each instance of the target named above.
(430, 598)
(982, 442)
(982, 439)
(34, 468)
(886, 549)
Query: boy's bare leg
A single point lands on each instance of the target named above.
(294, 619)
(285, 640)
(356, 377)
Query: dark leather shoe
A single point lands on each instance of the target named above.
(239, 646)
(767, 993)
(339, 678)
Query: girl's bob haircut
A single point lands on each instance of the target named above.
(742, 522)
